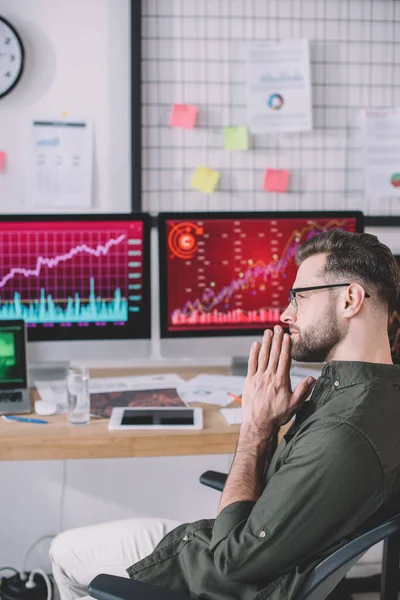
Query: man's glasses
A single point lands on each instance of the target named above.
(294, 291)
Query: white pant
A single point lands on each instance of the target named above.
(78, 555)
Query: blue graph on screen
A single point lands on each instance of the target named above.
(45, 309)
(81, 278)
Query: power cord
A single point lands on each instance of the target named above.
(8, 569)
(60, 520)
(31, 547)
(31, 584)
(62, 497)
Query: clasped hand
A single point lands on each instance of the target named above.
(268, 400)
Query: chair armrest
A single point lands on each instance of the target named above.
(214, 480)
(111, 587)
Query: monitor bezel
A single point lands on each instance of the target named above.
(24, 364)
(163, 217)
(145, 218)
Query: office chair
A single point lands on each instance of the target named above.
(320, 582)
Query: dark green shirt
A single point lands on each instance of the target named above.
(335, 473)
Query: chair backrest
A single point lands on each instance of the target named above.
(327, 574)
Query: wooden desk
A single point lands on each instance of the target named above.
(59, 440)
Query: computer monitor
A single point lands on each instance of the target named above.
(394, 328)
(224, 274)
(76, 277)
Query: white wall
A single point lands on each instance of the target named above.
(97, 491)
(77, 60)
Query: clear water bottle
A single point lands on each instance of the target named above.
(78, 395)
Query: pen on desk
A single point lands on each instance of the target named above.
(24, 419)
(238, 398)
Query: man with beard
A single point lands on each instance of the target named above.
(335, 473)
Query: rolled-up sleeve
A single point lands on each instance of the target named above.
(329, 484)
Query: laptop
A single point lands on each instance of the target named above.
(14, 393)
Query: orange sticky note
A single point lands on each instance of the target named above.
(276, 180)
(183, 115)
(2, 160)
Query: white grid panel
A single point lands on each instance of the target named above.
(193, 53)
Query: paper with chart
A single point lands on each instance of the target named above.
(60, 165)
(211, 389)
(278, 86)
(381, 129)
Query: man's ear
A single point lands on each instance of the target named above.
(354, 299)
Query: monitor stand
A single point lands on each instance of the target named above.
(239, 365)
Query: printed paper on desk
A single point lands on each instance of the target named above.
(55, 390)
(205, 180)
(2, 160)
(211, 389)
(102, 403)
(236, 138)
(183, 115)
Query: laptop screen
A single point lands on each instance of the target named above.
(13, 372)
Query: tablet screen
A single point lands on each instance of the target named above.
(158, 417)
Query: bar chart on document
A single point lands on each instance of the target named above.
(70, 274)
(60, 165)
(234, 274)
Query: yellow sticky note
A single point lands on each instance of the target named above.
(236, 138)
(205, 179)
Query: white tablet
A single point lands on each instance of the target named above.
(156, 417)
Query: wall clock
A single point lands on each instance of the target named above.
(11, 57)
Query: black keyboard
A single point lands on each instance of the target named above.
(11, 396)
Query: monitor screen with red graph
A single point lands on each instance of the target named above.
(76, 277)
(230, 274)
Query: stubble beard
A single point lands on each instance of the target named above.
(317, 342)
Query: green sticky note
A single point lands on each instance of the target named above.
(236, 138)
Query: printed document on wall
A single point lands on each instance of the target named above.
(381, 153)
(278, 86)
(60, 164)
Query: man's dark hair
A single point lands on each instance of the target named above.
(358, 257)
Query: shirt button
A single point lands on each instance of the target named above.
(185, 538)
(262, 535)
(336, 383)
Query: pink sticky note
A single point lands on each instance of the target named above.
(276, 180)
(183, 115)
(2, 160)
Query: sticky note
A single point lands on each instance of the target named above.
(183, 115)
(236, 138)
(205, 179)
(276, 180)
(2, 160)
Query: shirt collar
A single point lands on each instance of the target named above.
(346, 373)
